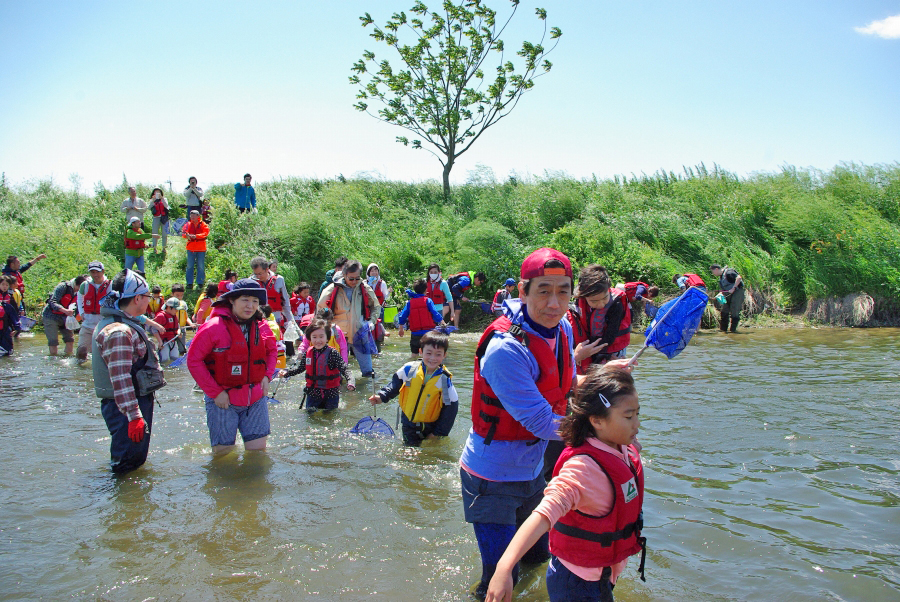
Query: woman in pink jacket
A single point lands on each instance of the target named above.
(232, 359)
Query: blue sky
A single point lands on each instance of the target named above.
(165, 90)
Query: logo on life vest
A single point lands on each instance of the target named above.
(236, 370)
(629, 490)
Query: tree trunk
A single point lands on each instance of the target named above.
(447, 167)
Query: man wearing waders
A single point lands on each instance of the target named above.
(731, 286)
(126, 371)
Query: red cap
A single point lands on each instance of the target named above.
(533, 266)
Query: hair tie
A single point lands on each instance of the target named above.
(603, 399)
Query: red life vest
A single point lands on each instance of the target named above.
(489, 418)
(589, 324)
(601, 541)
(435, 293)
(378, 292)
(134, 243)
(419, 316)
(67, 299)
(694, 280)
(158, 209)
(92, 298)
(273, 297)
(366, 310)
(631, 289)
(318, 374)
(455, 278)
(170, 323)
(236, 365)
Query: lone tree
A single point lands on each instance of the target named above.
(443, 93)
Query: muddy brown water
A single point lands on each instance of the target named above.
(772, 473)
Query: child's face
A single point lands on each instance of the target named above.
(433, 356)
(156, 294)
(4, 286)
(622, 422)
(304, 292)
(178, 294)
(171, 311)
(317, 338)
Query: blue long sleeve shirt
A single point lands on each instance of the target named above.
(512, 372)
(403, 317)
(244, 196)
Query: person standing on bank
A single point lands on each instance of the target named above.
(126, 371)
(244, 195)
(232, 358)
(196, 232)
(134, 206)
(90, 296)
(731, 285)
(57, 310)
(193, 195)
(524, 369)
(355, 306)
(159, 208)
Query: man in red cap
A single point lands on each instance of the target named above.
(524, 368)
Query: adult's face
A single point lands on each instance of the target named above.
(716, 272)
(132, 192)
(97, 276)
(247, 181)
(138, 305)
(261, 273)
(244, 307)
(15, 264)
(547, 298)
(192, 181)
(352, 279)
(195, 219)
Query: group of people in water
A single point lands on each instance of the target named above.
(553, 398)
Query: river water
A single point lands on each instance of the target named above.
(771, 470)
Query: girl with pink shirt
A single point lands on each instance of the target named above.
(592, 506)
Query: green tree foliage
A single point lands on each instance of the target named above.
(456, 80)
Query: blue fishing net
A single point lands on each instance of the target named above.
(676, 322)
(371, 426)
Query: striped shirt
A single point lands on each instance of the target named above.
(121, 347)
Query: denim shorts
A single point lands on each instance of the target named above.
(252, 421)
(499, 502)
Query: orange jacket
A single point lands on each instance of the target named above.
(201, 230)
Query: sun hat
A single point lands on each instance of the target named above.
(245, 286)
(534, 264)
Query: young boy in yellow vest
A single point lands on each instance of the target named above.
(428, 399)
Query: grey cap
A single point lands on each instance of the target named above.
(95, 266)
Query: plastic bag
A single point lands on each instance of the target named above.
(363, 341)
(72, 323)
(291, 333)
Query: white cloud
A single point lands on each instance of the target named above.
(886, 28)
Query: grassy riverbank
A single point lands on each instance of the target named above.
(794, 235)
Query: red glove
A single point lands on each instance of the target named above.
(136, 430)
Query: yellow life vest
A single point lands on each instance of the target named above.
(281, 361)
(332, 342)
(421, 401)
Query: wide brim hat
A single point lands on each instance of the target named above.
(245, 286)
